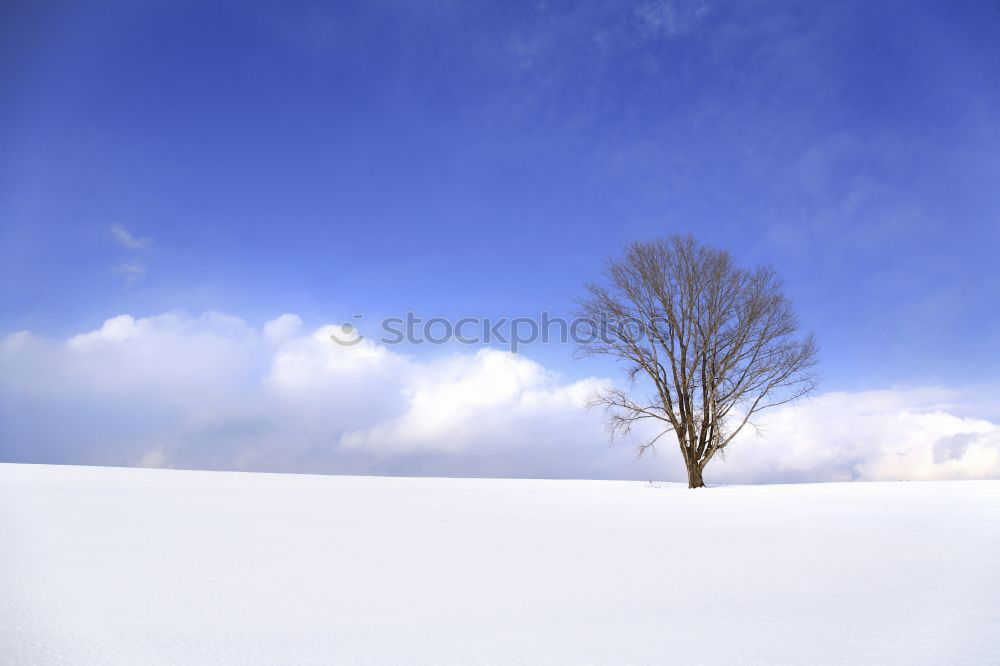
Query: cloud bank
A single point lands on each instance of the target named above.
(214, 392)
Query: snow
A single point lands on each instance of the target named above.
(135, 566)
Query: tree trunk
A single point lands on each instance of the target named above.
(694, 477)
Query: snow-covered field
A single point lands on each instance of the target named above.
(130, 566)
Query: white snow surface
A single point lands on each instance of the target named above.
(137, 566)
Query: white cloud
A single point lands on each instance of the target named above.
(114, 330)
(128, 240)
(669, 18)
(214, 392)
(903, 434)
(282, 328)
(132, 270)
(456, 402)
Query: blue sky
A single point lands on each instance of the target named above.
(484, 159)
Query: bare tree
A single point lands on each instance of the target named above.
(718, 344)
